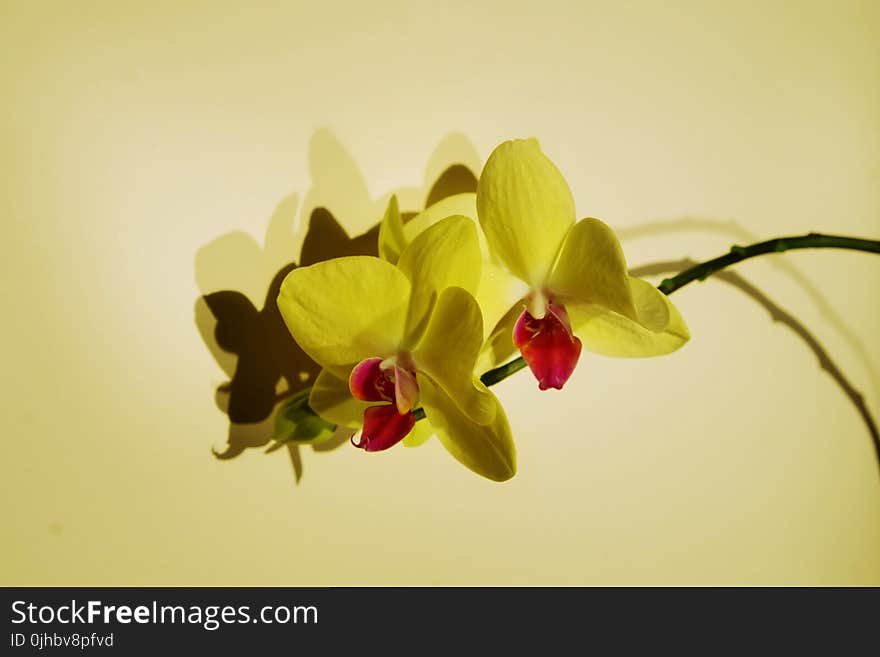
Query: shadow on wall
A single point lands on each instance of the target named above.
(781, 261)
(778, 314)
(265, 365)
(253, 346)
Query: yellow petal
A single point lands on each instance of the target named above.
(525, 208)
(488, 450)
(331, 399)
(391, 238)
(660, 328)
(448, 351)
(344, 310)
(443, 255)
(497, 293)
(497, 290)
(464, 205)
(498, 347)
(591, 269)
(419, 435)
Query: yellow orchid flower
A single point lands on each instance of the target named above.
(580, 291)
(393, 338)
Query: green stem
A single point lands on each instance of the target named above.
(777, 245)
(501, 372)
(703, 270)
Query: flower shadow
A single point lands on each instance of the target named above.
(236, 274)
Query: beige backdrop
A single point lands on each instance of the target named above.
(154, 152)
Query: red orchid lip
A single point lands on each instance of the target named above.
(548, 345)
(385, 425)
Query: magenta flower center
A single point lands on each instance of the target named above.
(548, 345)
(384, 380)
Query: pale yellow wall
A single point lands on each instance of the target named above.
(132, 135)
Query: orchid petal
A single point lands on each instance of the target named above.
(395, 235)
(406, 390)
(464, 205)
(591, 269)
(420, 434)
(344, 310)
(486, 449)
(391, 237)
(660, 328)
(383, 427)
(498, 347)
(448, 352)
(497, 293)
(497, 290)
(444, 255)
(525, 208)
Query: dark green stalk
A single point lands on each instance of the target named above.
(501, 372)
(737, 254)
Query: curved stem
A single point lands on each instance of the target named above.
(703, 270)
(777, 245)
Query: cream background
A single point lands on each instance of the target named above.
(134, 134)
